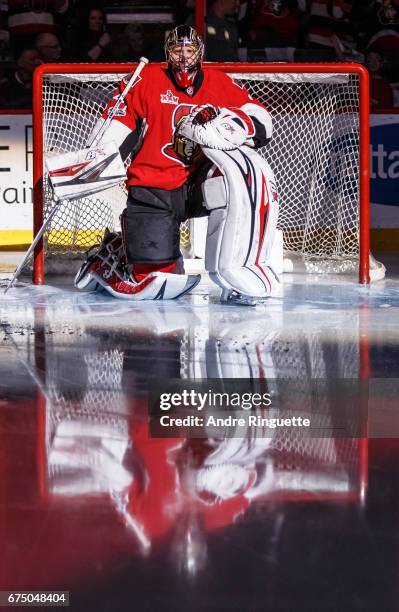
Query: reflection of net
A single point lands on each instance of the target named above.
(311, 357)
(315, 464)
(314, 153)
(305, 368)
(311, 464)
(93, 410)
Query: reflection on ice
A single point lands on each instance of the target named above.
(78, 368)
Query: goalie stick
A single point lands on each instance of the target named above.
(92, 143)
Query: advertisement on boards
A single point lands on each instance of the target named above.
(384, 172)
(16, 165)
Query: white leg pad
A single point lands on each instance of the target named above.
(241, 252)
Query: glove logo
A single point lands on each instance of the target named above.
(228, 127)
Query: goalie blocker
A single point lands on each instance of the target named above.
(85, 172)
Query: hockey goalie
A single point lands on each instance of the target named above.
(194, 134)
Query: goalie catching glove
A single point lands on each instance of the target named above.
(224, 129)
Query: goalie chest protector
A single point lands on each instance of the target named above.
(157, 105)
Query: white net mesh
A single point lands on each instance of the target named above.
(315, 157)
(72, 104)
(314, 154)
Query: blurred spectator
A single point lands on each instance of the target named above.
(29, 17)
(4, 39)
(221, 40)
(329, 19)
(16, 91)
(137, 47)
(91, 42)
(49, 48)
(119, 48)
(382, 36)
(273, 23)
(345, 31)
(381, 95)
(383, 27)
(128, 46)
(221, 32)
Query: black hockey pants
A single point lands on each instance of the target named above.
(152, 218)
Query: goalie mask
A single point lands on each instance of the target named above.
(184, 51)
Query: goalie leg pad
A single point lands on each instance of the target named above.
(156, 286)
(105, 268)
(214, 193)
(240, 254)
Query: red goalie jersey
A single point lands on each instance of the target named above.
(153, 108)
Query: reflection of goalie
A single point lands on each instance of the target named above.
(177, 489)
(157, 484)
(190, 487)
(197, 133)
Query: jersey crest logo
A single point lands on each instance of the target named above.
(169, 98)
(183, 110)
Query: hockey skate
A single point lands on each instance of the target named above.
(105, 269)
(229, 297)
(111, 251)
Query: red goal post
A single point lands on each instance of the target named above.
(320, 149)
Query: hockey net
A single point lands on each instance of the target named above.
(317, 153)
